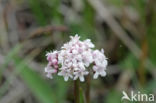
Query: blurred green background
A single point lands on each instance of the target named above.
(126, 29)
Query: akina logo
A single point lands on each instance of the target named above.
(137, 96)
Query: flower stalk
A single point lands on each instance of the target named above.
(76, 91)
(88, 89)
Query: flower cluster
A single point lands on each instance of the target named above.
(75, 59)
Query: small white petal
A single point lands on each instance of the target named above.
(87, 64)
(86, 73)
(66, 78)
(81, 78)
(95, 68)
(103, 73)
(75, 78)
(105, 63)
(60, 74)
(95, 75)
(102, 50)
(76, 68)
(74, 51)
(70, 76)
(49, 76)
(46, 69)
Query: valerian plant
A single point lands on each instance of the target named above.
(76, 59)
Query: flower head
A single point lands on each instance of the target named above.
(74, 60)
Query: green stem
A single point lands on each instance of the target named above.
(76, 91)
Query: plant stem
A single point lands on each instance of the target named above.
(76, 91)
(88, 89)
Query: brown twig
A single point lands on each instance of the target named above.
(143, 57)
(48, 29)
(144, 45)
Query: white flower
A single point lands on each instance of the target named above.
(80, 74)
(100, 63)
(49, 70)
(75, 38)
(87, 57)
(52, 65)
(66, 73)
(74, 60)
(89, 44)
(99, 70)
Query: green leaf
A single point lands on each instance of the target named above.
(38, 86)
(61, 88)
(82, 98)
